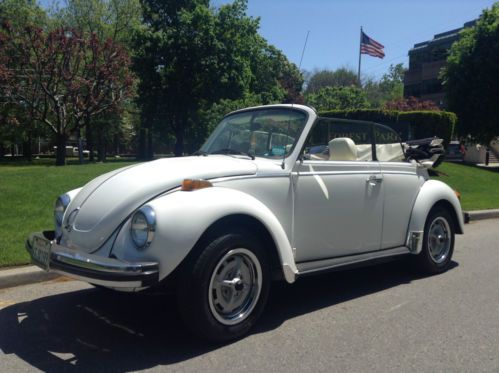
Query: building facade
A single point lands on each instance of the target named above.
(426, 59)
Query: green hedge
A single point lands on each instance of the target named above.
(421, 124)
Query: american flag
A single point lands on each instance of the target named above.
(371, 47)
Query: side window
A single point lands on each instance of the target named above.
(336, 140)
(388, 146)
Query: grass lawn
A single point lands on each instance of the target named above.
(479, 187)
(28, 192)
(27, 196)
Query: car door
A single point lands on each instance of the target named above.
(401, 184)
(338, 193)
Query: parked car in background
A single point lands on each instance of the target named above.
(72, 151)
(455, 151)
(276, 192)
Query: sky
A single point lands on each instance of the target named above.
(334, 27)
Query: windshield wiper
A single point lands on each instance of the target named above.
(200, 152)
(234, 151)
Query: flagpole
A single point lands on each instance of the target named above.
(360, 54)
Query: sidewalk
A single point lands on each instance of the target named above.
(30, 274)
(23, 275)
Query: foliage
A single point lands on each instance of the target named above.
(342, 77)
(23, 13)
(422, 123)
(410, 104)
(470, 78)
(115, 19)
(389, 88)
(338, 98)
(16, 123)
(63, 78)
(190, 56)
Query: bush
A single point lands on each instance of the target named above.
(409, 124)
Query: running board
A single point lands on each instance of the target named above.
(306, 268)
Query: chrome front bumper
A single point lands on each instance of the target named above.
(91, 268)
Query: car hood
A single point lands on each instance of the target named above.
(105, 202)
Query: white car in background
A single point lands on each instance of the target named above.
(276, 191)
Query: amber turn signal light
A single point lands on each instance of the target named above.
(188, 185)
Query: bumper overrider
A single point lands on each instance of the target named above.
(47, 254)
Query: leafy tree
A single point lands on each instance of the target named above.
(338, 98)
(411, 104)
(64, 78)
(115, 19)
(390, 87)
(22, 13)
(190, 56)
(470, 78)
(17, 124)
(342, 77)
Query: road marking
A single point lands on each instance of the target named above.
(397, 306)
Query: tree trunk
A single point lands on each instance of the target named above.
(179, 137)
(27, 151)
(150, 150)
(90, 140)
(60, 157)
(100, 145)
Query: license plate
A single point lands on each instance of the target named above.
(41, 252)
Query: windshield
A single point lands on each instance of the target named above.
(270, 133)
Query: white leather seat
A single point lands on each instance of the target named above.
(342, 149)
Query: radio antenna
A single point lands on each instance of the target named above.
(303, 51)
(283, 164)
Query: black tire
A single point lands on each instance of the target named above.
(438, 242)
(196, 293)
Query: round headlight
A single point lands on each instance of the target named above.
(143, 227)
(61, 204)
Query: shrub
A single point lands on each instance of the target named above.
(409, 124)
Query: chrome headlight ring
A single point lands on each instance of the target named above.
(61, 204)
(60, 207)
(143, 226)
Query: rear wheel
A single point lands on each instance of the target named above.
(224, 290)
(438, 242)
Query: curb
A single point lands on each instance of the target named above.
(480, 215)
(24, 276)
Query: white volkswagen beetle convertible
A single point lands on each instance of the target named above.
(275, 192)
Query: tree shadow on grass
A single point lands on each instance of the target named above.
(93, 330)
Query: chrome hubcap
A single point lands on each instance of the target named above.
(439, 240)
(235, 286)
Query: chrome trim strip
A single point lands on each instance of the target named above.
(243, 177)
(111, 284)
(107, 265)
(398, 172)
(360, 172)
(325, 264)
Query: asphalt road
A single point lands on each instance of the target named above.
(377, 319)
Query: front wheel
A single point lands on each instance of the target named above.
(224, 290)
(438, 242)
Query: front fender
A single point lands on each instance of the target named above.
(432, 192)
(182, 218)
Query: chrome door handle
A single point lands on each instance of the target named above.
(373, 179)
